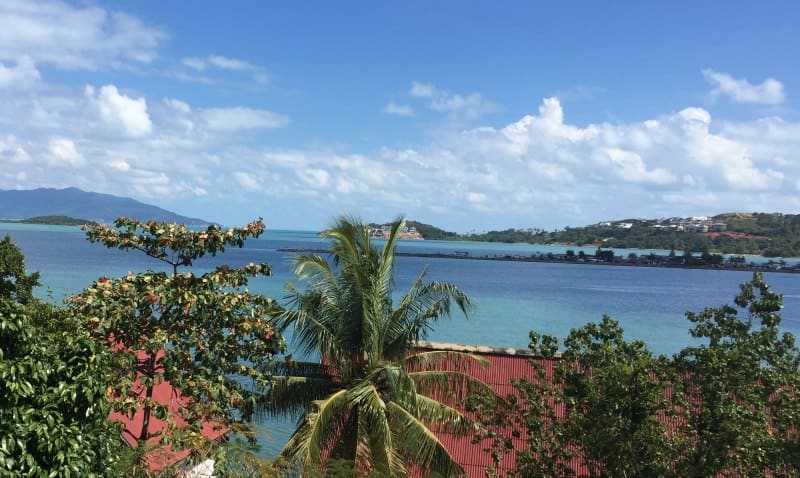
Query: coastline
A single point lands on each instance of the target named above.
(750, 267)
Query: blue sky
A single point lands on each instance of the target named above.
(467, 115)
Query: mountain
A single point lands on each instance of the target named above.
(73, 202)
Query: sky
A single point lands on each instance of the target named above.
(467, 115)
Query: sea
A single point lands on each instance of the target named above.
(511, 298)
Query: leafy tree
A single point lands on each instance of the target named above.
(742, 411)
(15, 283)
(53, 378)
(205, 334)
(371, 401)
(597, 404)
(727, 407)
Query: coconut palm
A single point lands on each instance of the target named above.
(370, 400)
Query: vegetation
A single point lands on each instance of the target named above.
(771, 235)
(368, 405)
(370, 401)
(54, 221)
(53, 378)
(204, 334)
(726, 407)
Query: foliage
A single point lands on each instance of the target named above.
(206, 334)
(54, 220)
(597, 406)
(771, 235)
(743, 412)
(727, 407)
(53, 378)
(369, 402)
(432, 232)
(15, 284)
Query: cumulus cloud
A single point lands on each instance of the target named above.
(469, 106)
(119, 112)
(536, 170)
(22, 76)
(240, 118)
(393, 108)
(74, 36)
(63, 152)
(769, 92)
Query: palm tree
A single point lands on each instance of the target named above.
(370, 400)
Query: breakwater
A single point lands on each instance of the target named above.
(732, 263)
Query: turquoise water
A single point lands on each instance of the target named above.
(511, 298)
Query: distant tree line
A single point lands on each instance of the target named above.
(770, 235)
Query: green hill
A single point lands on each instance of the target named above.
(767, 234)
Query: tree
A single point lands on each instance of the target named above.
(15, 283)
(596, 404)
(371, 400)
(726, 407)
(205, 334)
(53, 379)
(742, 411)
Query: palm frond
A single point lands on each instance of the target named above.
(448, 386)
(311, 332)
(375, 433)
(420, 444)
(419, 310)
(443, 417)
(318, 431)
(444, 360)
(292, 395)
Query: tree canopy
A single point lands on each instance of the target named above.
(206, 335)
(371, 400)
(53, 379)
(724, 407)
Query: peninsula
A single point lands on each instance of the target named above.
(765, 234)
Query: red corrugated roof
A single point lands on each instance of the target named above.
(165, 394)
(504, 366)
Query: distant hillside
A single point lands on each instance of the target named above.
(767, 234)
(73, 202)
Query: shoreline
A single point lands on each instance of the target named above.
(622, 263)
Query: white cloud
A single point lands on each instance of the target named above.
(119, 112)
(11, 152)
(470, 106)
(393, 108)
(219, 62)
(532, 171)
(63, 151)
(74, 36)
(769, 92)
(234, 64)
(240, 118)
(178, 105)
(246, 180)
(22, 76)
(422, 90)
(195, 63)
